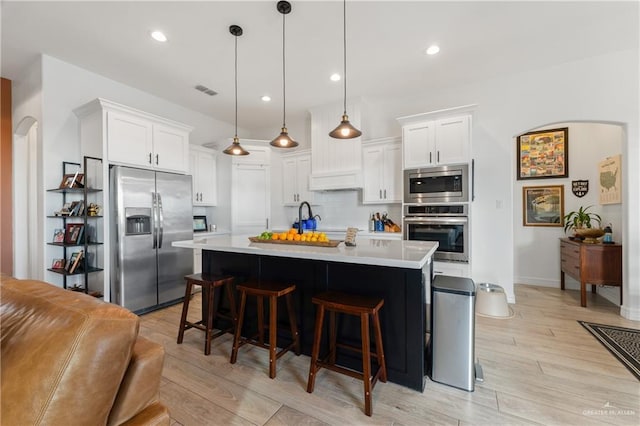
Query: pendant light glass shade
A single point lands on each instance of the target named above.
(345, 129)
(235, 148)
(283, 140)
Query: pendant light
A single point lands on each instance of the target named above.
(283, 140)
(345, 130)
(235, 148)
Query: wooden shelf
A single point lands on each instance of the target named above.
(76, 272)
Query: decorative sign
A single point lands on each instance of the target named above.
(580, 187)
(611, 180)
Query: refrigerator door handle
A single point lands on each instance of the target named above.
(155, 219)
(161, 227)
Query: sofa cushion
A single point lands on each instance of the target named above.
(63, 353)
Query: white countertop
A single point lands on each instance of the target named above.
(368, 251)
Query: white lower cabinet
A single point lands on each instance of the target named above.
(455, 269)
(382, 166)
(296, 169)
(203, 169)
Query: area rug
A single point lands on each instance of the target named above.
(623, 343)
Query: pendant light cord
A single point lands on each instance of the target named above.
(236, 83)
(344, 51)
(284, 97)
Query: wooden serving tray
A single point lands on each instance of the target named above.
(330, 243)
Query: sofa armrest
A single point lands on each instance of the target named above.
(141, 382)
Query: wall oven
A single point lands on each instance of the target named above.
(444, 184)
(446, 224)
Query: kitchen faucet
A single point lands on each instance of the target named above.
(300, 230)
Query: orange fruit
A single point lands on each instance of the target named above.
(296, 237)
(283, 236)
(275, 236)
(290, 237)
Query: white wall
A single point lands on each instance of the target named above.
(537, 250)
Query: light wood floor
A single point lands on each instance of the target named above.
(540, 367)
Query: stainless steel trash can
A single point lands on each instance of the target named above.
(453, 331)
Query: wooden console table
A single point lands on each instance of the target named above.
(594, 264)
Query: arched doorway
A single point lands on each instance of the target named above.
(536, 249)
(27, 241)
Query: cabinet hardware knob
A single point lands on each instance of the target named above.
(438, 156)
(380, 193)
(430, 160)
(150, 159)
(385, 194)
(157, 156)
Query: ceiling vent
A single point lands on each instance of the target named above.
(205, 90)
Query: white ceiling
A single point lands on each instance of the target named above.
(386, 43)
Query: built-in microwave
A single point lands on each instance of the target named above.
(443, 184)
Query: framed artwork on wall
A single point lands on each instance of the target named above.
(543, 205)
(543, 154)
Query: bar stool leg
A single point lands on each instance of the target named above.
(366, 362)
(293, 324)
(260, 302)
(313, 368)
(232, 304)
(209, 292)
(379, 349)
(236, 336)
(333, 335)
(273, 324)
(185, 309)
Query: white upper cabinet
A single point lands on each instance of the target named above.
(453, 139)
(170, 148)
(296, 169)
(436, 138)
(132, 137)
(419, 144)
(382, 167)
(203, 168)
(335, 163)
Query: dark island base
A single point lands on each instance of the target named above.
(402, 316)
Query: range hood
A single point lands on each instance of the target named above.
(336, 180)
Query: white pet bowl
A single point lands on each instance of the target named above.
(491, 301)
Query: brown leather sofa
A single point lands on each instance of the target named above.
(70, 359)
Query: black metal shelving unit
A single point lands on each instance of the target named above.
(84, 268)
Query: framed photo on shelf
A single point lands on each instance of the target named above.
(73, 233)
(543, 154)
(58, 235)
(72, 180)
(74, 261)
(543, 205)
(199, 223)
(58, 264)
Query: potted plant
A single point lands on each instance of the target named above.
(580, 222)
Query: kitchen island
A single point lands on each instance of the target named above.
(398, 271)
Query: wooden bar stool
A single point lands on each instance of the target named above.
(363, 307)
(208, 284)
(273, 291)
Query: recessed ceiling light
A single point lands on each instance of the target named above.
(159, 36)
(335, 77)
(266, 98)
(432, 50)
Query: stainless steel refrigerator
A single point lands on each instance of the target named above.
(149, 211)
